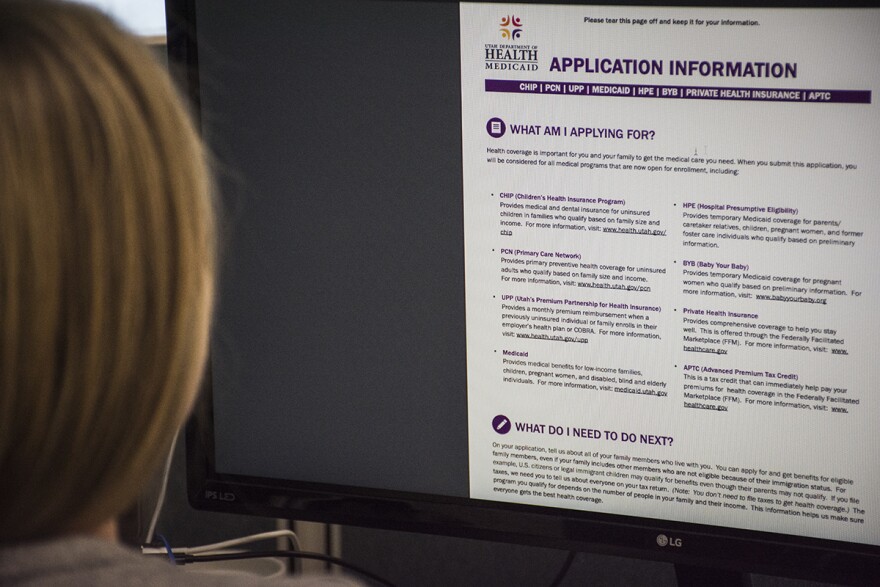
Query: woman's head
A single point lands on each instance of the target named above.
(106, 267)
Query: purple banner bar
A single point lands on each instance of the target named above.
(679, 92)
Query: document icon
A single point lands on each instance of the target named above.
(496, 127)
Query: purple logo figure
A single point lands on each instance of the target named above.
(496, 128)
(501, 424)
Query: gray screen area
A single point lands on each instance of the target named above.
(339, 348)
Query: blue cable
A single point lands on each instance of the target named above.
(168, 548)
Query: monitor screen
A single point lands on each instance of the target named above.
(586, 276)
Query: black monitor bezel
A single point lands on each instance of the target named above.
(701, 545)
(731, 549)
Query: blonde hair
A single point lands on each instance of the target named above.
(106, 267)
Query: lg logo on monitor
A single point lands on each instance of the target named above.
(664, 540)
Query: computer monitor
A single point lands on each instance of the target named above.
(590, 277)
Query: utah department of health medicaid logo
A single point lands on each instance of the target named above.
(511, 56)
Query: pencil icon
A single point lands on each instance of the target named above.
(501, 424)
